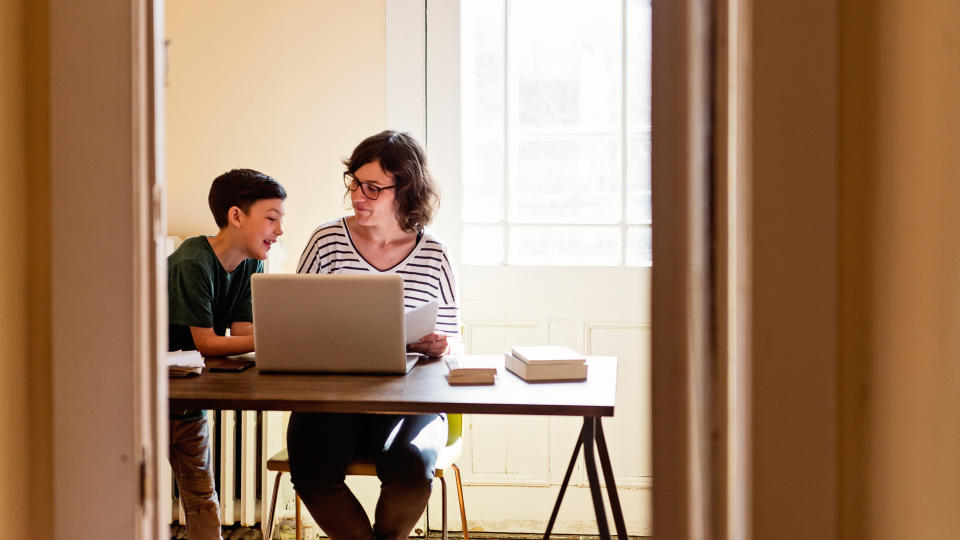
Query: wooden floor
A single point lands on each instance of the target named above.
(177, 532)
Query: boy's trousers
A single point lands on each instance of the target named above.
(193, 470)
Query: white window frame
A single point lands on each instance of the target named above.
(623, 135)
(424, 97)
(418, 82)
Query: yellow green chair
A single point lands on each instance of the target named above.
(280, 463)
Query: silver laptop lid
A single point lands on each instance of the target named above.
(329, 323)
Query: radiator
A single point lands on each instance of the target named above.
(241, 442)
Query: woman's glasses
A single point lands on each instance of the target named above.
(369, 190)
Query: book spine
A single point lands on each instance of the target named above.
(516, 365)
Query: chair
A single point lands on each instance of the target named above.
(280, 463)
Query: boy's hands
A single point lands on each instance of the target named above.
(432, 345)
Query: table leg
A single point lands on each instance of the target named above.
(593, 478)
(566, 481)
(611, 486)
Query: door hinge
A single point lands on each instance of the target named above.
(143, 483)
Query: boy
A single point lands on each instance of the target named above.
(209, 292)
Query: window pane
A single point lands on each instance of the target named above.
(565, 67)
(483, 183)
(639, 246)
(638, 111)
(566, 181)
(564, 110)
(564, 246)
(542, 127)
(482, 53)
(482, 244)
(638, 65)
(638, 178)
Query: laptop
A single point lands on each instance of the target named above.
(329, 323)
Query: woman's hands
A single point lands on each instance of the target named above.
(431, 345)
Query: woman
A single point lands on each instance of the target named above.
(393, 199)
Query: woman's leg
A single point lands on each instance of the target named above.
(321, 445)
(405, 468)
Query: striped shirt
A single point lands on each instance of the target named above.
(426, 271)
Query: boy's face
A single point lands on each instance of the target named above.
(261, 226)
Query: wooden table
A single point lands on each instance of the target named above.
(425, 390)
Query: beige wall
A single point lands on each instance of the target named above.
(900, 189)
(793, 268)
(856, 302)
(25, 404)
(288, 89)
(14, 417)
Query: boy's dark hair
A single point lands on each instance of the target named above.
(241, 188)
(401, 155)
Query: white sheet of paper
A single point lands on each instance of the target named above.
(184, 359)
(420, 321)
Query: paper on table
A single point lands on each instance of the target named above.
(420, 321)
(248, 357)
(184, 363)
(188, 359)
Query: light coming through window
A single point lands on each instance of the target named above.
(556, 132)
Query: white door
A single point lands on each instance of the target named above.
(514, 465)
(513, 290)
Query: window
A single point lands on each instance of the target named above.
(556, 132)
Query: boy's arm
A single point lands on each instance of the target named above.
(241, 328)
(210, 344)
(241, 316)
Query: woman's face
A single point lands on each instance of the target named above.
(381, 211)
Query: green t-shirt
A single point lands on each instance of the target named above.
(201, 293)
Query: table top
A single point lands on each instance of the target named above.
(423, 390)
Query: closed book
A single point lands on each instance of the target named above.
(469, 370)
(547, 354)
(568, 371)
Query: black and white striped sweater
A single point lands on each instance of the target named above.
(427, 273)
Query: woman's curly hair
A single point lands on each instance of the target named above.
(401, 155)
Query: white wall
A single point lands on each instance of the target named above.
(285, 88)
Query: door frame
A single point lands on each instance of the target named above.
(108, 302)
(682, 283)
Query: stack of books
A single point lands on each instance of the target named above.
(546, 363)
(469, 370)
